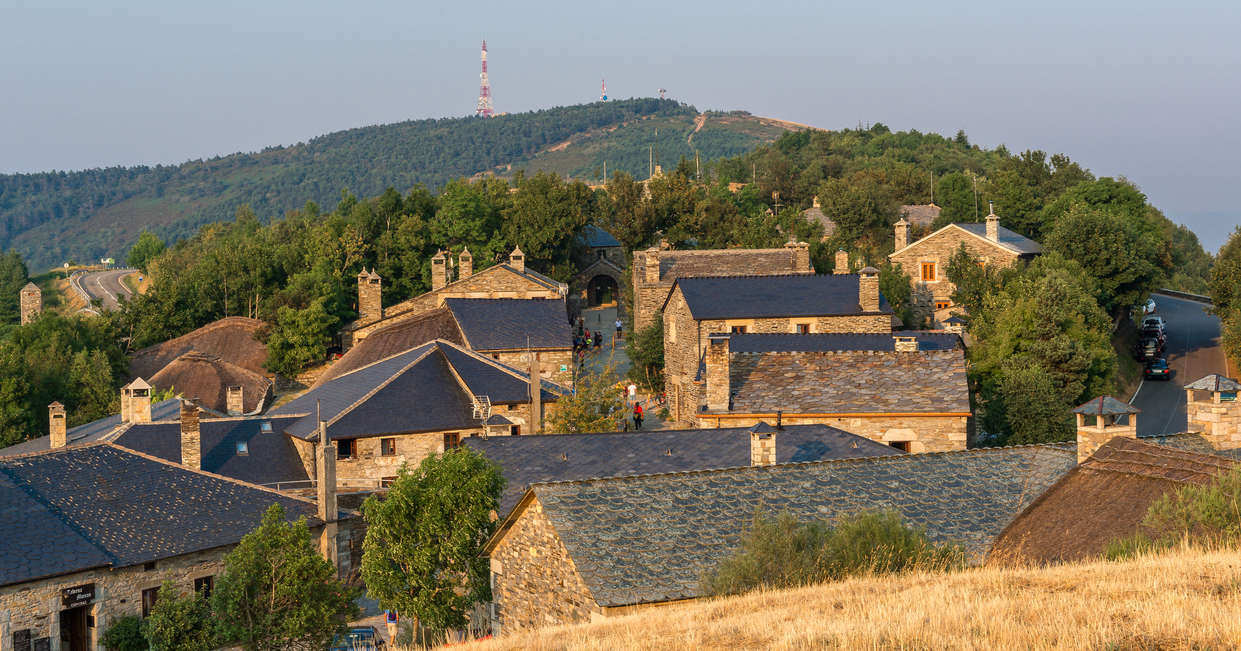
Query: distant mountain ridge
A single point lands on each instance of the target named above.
(54, 217)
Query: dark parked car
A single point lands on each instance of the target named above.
(1153, 333)
(1147, 349)
(359, 638)
(1157, 369)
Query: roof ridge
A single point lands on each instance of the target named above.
(885, 458)
(378, 361)
(377, 388)
(511, 370)
(703, 430)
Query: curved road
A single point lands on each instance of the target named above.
(103, 285)
(1193, 351)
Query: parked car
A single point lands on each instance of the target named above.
(359, 638)
(1148, 349)
(1155, 322)
(1157, 369)
(1153, 333)
(1149, 307)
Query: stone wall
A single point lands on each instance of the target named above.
(1218, 422)
(939, 248)
(368, 463)
(551, 363)
(932, 433)
(534, 580)
(1090, 438)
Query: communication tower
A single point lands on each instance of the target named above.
(603, 90)
(484, 89)
(661, 92)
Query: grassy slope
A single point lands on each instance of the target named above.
(1182, 600)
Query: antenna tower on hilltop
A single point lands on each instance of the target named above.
(603, 90)
(484, 89)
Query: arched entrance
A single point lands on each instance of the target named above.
(601, 291)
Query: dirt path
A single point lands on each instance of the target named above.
(698, 122)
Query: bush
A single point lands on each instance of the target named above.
(125, 634)
(179, 623)
(1203, 515)
(781, 552)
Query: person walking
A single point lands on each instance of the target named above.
(637, 415)
(390, 623)
(619, 325)
(598, 340)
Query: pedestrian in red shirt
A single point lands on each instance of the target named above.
(637, 415)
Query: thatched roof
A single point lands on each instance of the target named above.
(233, 339)
(205, 379)
(396, 338)
(1101, 500)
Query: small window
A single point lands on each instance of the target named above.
(600, 253)
(387, 447)
(515, 430)
(1227, 396)
(243, 449)
(942, 305)
(265, 427)
(148, 600)
(903, 446)
(738, 330)
(203, 586)
(346, 448)
(928, 272)
(803, 328)
(452, 440)
(148, 567)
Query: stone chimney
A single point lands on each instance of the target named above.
(191, 439)
(536, 393)
(517, 260)
(370, 297)
(439, 270)
(31, 299)
(58, 432)
(235, 400)
(465, 264)
(325, 495)
(868, 289)
(719, 388)
(815, 203)
(801, 256)
(650, 269)
(139, 401)
(1107, 413)
(762, 445)
(993, 228)
(842, 262)
(905, 344)
(1212, 410)
(902, 234)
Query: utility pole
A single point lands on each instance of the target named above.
(975, 177)
(932, 187)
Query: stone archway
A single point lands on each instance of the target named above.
(602, 291)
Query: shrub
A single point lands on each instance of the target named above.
(1204, 515)
(125, 634)
(179, 623)
(782, 552)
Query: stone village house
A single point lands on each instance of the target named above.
(926, 260)
(602, 274)
(698, 307)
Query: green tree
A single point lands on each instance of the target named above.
(125, 634)
(422, 552)
(1027, 407)
(954, 193)
(859, 206)
(299, 338)
(146, 249)
(179, 623)
(895, 286)
(1112, 249)
(277, 592)
(645, 350)
(1225, 280)
(596, 404)
(13, 276)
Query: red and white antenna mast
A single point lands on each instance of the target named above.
(484, 89)
(603, 90)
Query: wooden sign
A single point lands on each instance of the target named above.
(77, 596)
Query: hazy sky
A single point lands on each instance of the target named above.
(1145, 90)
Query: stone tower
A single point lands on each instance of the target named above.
(1108, 413)
(370, 297)
(31, 303)
(1212, 410)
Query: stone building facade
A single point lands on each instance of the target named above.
(656, 269)
(1213, 412)
(31, 299)
(602, 263)
(926, 260)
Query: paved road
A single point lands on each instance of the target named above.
(104, 285)
(1193, 351)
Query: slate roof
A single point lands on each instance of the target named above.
(270, 455)
(932, 381)
(233, 339)
(741, 297)
(1105, 406)
(1104, 498)
(648, 539)
(526, 460)
(815, 214)
(597, 238)
(1214, 383)
(837, 341)
(414, 391)
(1008, 239)
(923, 214)
(509, 323)
(674, 264)
(1193, 442)
(205, 379)
(100, 505)
(404, 334)
(95, 430)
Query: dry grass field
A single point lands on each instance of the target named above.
(1183, 600)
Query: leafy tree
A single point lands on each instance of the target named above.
(13, 276)
(895, 286)
(421, 555)
(146, 249)
(1111, 249)
(955, 195)
(1027, 407)
(125, 634)
(645, 350)
(596, 404)
(974, 282)
(545, 217)
(179, 623)
(859, 206)
(299, 338)
(277, 592)
(1225, 279)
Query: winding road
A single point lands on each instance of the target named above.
(1193, 351)
(103, 285)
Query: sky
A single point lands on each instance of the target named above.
(1148, 91)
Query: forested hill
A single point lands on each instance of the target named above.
(54, 217)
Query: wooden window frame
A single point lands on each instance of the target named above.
(738, 329)
(346, 448)
(387, 446)
(452, 440)
(203, 586)
(934, 268)
(803, 328)
(943, 305)
(149, 597)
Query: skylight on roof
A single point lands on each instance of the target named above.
(265, 426)
(243, 448)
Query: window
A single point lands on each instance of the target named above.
(147, 567)
(203, 586)
(387, 447)
(148, 600)
(243, 449)
(803, 328)
(941, 305)
(346, 448)
(452, 440)
(903, 446)
(928, 272)
(265, 427)
(600, 253)
(737, 330)
(515, 430)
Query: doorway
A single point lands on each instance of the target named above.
(74, 633)
(601, 291)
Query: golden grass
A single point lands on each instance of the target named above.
(1181, 600)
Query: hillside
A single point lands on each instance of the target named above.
(57, 216)
(1185, 600)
